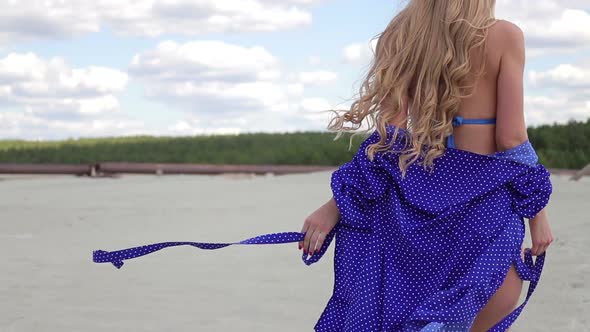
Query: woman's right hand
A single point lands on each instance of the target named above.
(318, 225)
(541, 234)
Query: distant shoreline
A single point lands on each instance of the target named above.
(114, 169)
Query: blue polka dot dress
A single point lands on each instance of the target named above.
(424, 253)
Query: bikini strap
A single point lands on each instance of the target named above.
(459, 120)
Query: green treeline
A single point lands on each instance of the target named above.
(305, 148)
(562, 146)
(558, 146)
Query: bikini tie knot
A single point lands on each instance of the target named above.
(457, 121)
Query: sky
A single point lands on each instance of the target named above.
(96, 68)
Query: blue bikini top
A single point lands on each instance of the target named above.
(459, 120)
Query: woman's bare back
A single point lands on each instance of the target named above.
(498, 94)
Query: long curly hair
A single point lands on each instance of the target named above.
(422, 61)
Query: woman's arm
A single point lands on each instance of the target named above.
(541, 214)
(510, 123)
(332, 204)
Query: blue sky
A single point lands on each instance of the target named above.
(102, 68)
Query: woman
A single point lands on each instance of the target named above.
(437, 250)
(449, 76)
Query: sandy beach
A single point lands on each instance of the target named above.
(49, 226)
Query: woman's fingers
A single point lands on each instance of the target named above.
(313, 240)
(307, 240)
(303, 230)
(540, 247)
(537, 249)
(318, 240)
(534, 249)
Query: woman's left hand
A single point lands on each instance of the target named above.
(318, 225)
(541, 234)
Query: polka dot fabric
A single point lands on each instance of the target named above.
(424, 253)
(427, 252)
(117, 257)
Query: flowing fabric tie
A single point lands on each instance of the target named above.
(530, 271)
(117, 257)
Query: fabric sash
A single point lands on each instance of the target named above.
(527, 269)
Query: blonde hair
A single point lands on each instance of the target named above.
(422, 56)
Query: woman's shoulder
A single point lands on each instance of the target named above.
(506, 34)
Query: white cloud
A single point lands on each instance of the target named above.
(53, 100)
(354, 52)
(23, 125)
(559, 108)
(549, 25)
(293, 119)
(212, 76)
(315, 105)
(295, 89)
(32, 19)
(221, 89)
(186, 128)
(205, 61)
(566, 94)
(563, 76)
(53, 89)
(35, 19)
(319, 77)
(314, 60)
(359, 52)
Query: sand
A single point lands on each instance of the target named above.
(49, 226)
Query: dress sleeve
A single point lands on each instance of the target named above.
(531, 191)
(356, 185)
